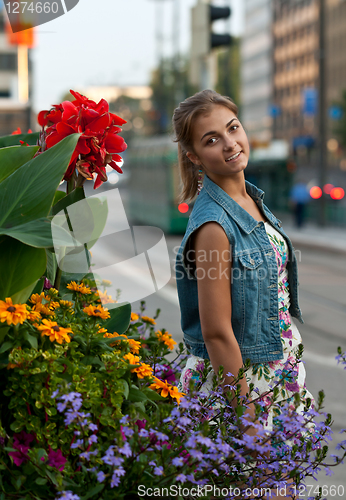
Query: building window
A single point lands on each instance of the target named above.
(8, 62)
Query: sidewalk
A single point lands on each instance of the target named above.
(332, 239)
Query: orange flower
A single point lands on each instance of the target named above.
(43, 309)
(148, 320)
(166, 338)
(38, 297)
(175, 394)
(159, 385)
(34, 315)
(134, 345)
(66, 304)
(144, 370)
(134, 317)
(105, 298)
(85, 290)
(12, 313)
(97, 311)
(102, 330)
(54, 331)
(166, 389)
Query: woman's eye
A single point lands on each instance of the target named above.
(234, 127)
(211, 140)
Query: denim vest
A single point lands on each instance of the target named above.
(254, 275)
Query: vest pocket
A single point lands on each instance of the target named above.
(251, 260)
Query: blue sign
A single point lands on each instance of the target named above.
(274, 110)
(303, 140)
(335, 112)
(310, 98)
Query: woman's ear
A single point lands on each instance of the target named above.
(193, 158)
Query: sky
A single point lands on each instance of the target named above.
(110, 42)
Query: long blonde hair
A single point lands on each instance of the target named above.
(184, 117)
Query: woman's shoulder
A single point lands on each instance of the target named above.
(206, 209)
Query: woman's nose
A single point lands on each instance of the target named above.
(230, 142)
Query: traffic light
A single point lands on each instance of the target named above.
(203, 41)
(216, 13)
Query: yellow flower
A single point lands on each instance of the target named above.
(97, 311)
(134, 345)
(149, 320)
(166, 338)
(34, 315)
(12, 313)
(159, 385)
(134, 360)
(106, 283)
(54, 305)
(54, 331)
(134, 317)
(38, 297)
(85, 290)
(105, 299)
(102, 330)
(66, 304)
(43, 309)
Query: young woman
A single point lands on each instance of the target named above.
(236, 269)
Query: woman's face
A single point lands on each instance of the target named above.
(220, 144)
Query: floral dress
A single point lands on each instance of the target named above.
(266, 375)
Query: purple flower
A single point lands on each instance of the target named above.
(93, 427)
(181, 478)
(67, 495)
(55, 393)
(141, 423)
(93, 439)
(56, 459)
(47, 284)
(77, 443)
(21, 442)
(158, 471)
(101, 476)
(177, 461)
(126, 450)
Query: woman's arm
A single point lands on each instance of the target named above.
(213, 268)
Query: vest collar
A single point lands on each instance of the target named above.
(241, 216)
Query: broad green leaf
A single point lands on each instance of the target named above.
(136, 395)
(13, 140)
(31, 339)
(120, 318)
(20, 266)
(28, 193)
(38, 233)
(14, 157)
(58, 196)
(76, 195)
(52, 266)
(6, 346)
(22, 296)
(39, 286)
(93, 492)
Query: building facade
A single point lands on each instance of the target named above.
(256, 71)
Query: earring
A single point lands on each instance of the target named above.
(200, 181)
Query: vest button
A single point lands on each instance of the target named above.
(252, 261)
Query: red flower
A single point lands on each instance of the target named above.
(99, 144)
(21, 443)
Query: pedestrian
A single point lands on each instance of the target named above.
(236, 270)
(299, 197)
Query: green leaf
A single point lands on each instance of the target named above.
(136, 395)
(13, 140)
(6, 346)
(38, 233)
(76, 195)
(120, 318)
(28, 193)
(41, 480)
(125, 388)
(52, 266)
(153, 395)
(93, 492)
(39, 286)
(14, 157)
(58, 196)
(20, 266)
(31, 339)
(22, 296)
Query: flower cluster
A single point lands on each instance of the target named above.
(99, 143)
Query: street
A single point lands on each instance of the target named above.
(322, 291)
